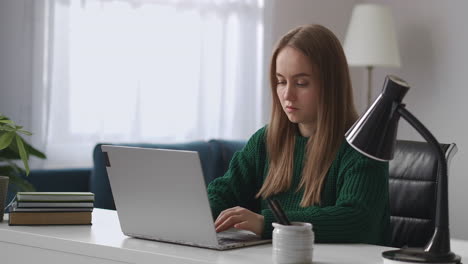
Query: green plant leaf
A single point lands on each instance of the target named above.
(13, 166)
(37, 153)
(11, 171)
(33, 151)
(9, 162)
(7, 128)
(6, 170)
(21, 183)
(22, 152)
(12, 151)
(5, 139)
(24, 132)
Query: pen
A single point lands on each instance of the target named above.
(281, 212)
(278, 212)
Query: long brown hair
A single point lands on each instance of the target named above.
(336, 113)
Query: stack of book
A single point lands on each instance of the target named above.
(52, 208)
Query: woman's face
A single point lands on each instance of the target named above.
(297, 86)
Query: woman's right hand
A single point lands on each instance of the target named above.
(241, 218)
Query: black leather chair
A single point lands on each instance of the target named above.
(412, 191)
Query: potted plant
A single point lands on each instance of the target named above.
(14, 148)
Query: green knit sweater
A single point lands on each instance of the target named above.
(354, 201)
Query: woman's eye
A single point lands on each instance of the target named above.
(302, 84)
(280, 82)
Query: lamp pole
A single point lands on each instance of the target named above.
(440, 241)
(369, 84)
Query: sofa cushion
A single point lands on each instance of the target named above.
(61, 180)
(226, 149)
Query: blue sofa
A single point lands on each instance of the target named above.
(215, 156)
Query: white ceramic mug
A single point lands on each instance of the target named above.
(293, 243)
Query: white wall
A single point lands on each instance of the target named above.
(433, 40)
(16, 60)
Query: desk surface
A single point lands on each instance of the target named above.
(104, 240)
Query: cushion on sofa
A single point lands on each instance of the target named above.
(225, 150)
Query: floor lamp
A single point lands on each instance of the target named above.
(371, 40)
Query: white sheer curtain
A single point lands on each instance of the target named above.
(149, 71)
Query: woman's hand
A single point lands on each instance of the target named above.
(241, 218)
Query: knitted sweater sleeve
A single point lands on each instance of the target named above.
(360, 205)
(238, 185)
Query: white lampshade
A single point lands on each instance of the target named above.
(371, 38)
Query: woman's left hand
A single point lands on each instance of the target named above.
(241, 218)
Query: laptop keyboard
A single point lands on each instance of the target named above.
(233, 236)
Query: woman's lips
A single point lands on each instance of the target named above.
(291, 109)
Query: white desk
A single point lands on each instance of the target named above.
(103, 242)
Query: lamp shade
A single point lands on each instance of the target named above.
(371, 38)
(374, 133)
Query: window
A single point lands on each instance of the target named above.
(150, 71)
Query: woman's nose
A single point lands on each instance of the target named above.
(289, 93)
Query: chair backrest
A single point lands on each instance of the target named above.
(412, 191)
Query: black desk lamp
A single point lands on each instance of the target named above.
(374, 135)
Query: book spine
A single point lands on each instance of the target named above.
(50, 218)
(53, 204)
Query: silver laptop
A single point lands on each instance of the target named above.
(160, 195)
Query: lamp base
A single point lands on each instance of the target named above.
(419, 256)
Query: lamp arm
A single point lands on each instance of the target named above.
(440, 241)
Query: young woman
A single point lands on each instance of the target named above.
(301, 157)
